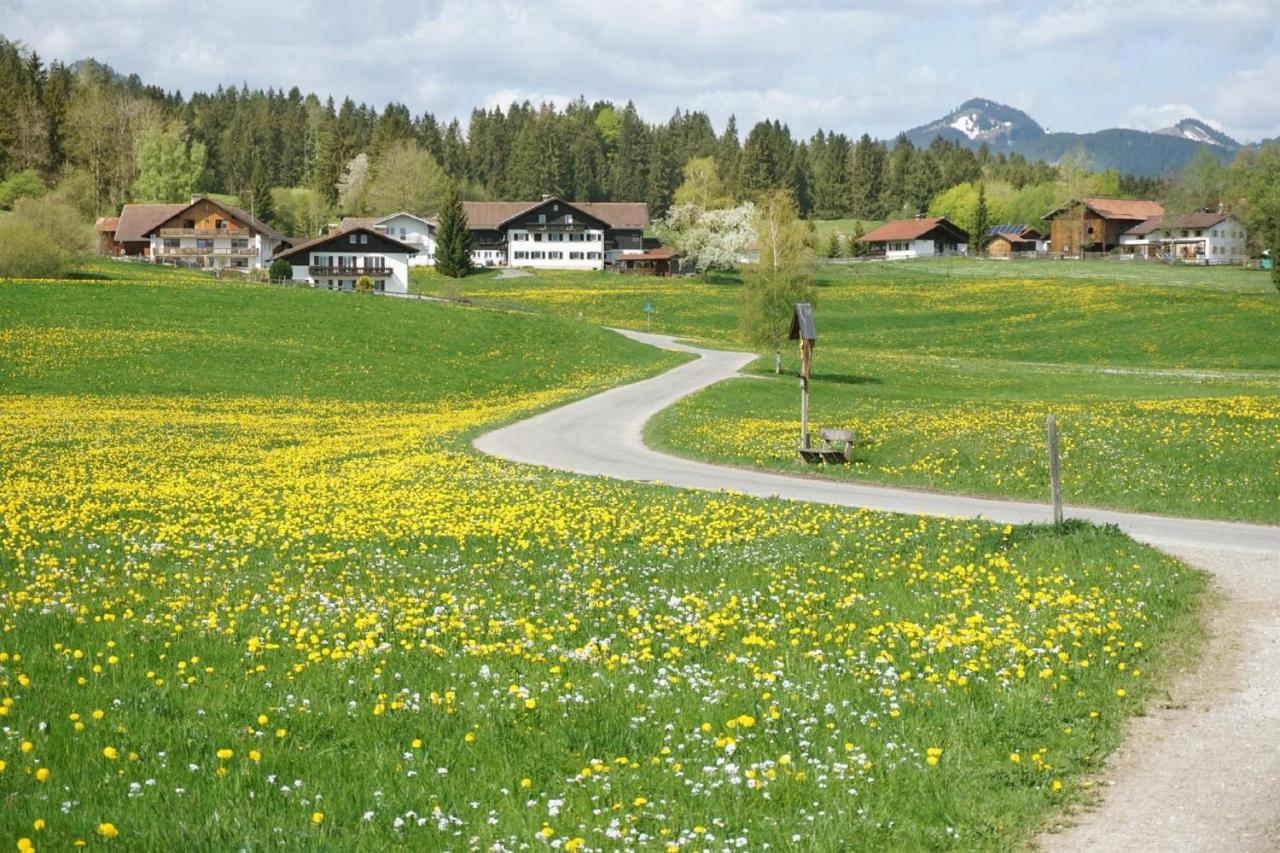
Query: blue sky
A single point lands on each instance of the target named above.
(876, 66)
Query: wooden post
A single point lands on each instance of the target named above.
(806, 353)
(1055, 477)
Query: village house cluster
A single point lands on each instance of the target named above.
(546, 234)
(1132, 227)
(552, 233)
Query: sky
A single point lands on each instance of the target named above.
(862, 66)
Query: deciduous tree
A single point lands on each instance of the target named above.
(781, 278)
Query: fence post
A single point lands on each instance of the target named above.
(1055, 476)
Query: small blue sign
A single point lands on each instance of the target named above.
(648, 308)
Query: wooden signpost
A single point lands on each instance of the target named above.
(803, 330)
(1055, 475)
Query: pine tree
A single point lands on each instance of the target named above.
(453, 236)
(981, 236)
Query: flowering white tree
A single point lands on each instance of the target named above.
(352, 184)
(712, 239)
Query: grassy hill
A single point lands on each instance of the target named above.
(1166, 381)
(256, 590)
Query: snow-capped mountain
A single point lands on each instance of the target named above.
(1198, 131)
(979, 120)
(1005, 129)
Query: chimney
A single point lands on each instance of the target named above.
(195, 197)
(546, 196)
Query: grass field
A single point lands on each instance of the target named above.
(1167, 393)
(256, 591)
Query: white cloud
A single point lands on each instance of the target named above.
(1250, 100)
(852, 65)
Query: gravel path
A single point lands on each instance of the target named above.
(1201, 772)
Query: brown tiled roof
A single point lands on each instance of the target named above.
(138, 220)
(485, 215)
(1193, 220)
(1135, 209)
(911, 229)
(324, 238)
(107, 224)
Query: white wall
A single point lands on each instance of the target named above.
(1223, 243)
(521, 244)
(415, 232)
(355, 261)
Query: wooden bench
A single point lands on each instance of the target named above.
(834, 446)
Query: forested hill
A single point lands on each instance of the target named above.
(106, 139)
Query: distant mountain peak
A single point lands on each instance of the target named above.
(1198, 131)
(979, 120)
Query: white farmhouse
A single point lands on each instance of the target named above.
(1206, 238)
(406, 227)
(918, 238)
(555, 234)
(338, 260)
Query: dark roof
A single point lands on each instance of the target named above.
(1016, 230)
(913, 229)
(138, 220)
(491, 215)
(802, 327)
(1012, 238)
(1192, 220)
(334, 235)
(1135, 209)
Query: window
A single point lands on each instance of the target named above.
(568, 217)
(1199, 232)
(542, 219)
(519, 235)
(575, 237)
(172, 243)
(555, 256)
(240, 244)
(575, 256)
(537, 256)
(353, 239)
(557, 238)
(402, 233)
(364, 238)
(204, 244)
(537, 238)
(593, 256)
(520, 256)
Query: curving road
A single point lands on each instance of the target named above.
(1199, 772)
(602, 435)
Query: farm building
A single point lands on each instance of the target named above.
(406, 227)
(339, 259)
(918, 238)
(1006, 241)
(555, 234)
(1211, 238)
(1095, 223)
(203, 233)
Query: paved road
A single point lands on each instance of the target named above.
(603, 435)
(1199, 772)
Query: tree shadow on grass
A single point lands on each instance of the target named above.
(846, 379)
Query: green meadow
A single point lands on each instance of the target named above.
(257, 591)
(1165, 380)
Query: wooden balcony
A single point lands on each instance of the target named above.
(352, 272)
(194, 251)
(205, 232)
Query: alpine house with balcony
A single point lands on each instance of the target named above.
(553, 233)
(205, 233)
(339, 259)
